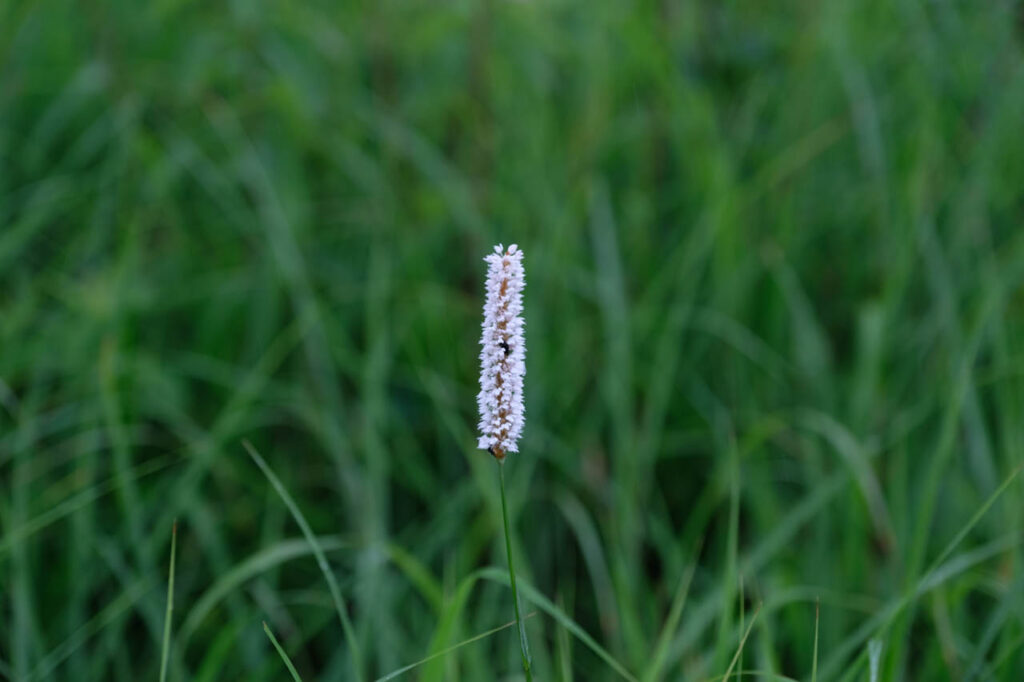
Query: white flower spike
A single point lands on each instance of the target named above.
(502, 354)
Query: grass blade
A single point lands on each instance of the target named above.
(874, 658)
(755, 674)
(959, 537)
(814, 661)
(83, 499)
(110, 614)
(739, 650)
(523, 644)
(264, 560)
(318, 552)
(166, 649)
(401, 671)
(672, 622)
(936, 574)
(544, 604)
(282, 654)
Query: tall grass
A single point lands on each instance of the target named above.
(775, 269)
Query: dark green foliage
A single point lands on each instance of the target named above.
(774, 257)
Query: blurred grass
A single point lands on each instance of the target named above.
(774, 260)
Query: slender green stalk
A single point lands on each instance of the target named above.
(445, 652)
(523, 645)
(170, 607)
(318, 552)
(280, 652)
(814, 662)
(739, 651)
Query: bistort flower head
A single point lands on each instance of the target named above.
(502, 354)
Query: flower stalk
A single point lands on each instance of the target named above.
(524, 645)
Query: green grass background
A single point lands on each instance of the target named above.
(775, 331)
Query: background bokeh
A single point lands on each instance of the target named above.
(774, 317)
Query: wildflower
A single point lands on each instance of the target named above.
(502, 354)
(502, 366)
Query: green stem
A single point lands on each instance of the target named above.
(170, 606)
(524, 647)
